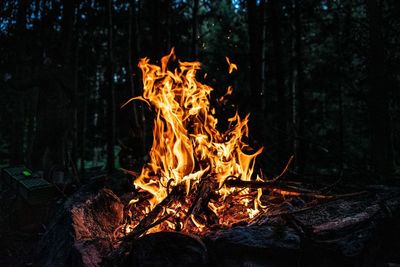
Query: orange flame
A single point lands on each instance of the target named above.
(232, 66)
(187, 146)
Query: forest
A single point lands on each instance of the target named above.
(320, 79)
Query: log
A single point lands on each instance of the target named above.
(339, 232)
(168, 249)
(202, 197)
(148, 221)
(81, 232)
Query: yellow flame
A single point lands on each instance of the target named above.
(232, 66)
(187, 145)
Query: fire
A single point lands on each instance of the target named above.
(189, 155)
(232, 66)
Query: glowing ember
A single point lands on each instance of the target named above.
(190, 158)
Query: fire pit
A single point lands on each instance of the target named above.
(199, 202)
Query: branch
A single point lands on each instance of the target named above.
(148, 221)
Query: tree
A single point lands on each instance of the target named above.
(255, 18)
(195, 25)
(278, 75)
(378, 95)
(298, 90)
(110, 91)
(17, 139)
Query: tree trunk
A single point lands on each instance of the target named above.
(83, 126)
(110, 93)
(132, 55)
(378, 95)
(70, 62)
(255, 35)
(75, 135)
(168, 13)
(342, 34)
(298, 98)
(156, 30)
(67, 27)
(195, 23)
(277, 74)
(263, 65)
(17, 138)
(256, 29)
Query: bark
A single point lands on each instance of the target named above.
(75, 135)
(81, 233)
(168, 249)
(70, 60)
(263, 64)
(83, 127)
(17, 138)
(378, 95)
(67, 27)
(342, 232)
(167, 29)
(156, 30)
(255, 37)
(298, 97)
(278, 75)
(110, 92)
(145, 128)
(142, 128)
(343, 34)
(195, 23)
(132, 56)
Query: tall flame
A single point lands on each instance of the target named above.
(187, 146)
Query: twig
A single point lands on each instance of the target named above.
(284, 170)
(138, 232)
(257, 184)
(285, 191)
(316, 203)
(148, 222)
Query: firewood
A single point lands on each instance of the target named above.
(203, 196)
(148, 221)
(347, 222)
(287, 191)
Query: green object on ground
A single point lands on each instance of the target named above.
(32, 188)
(36, 190)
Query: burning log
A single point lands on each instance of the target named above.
(149, 221)
(202, 197)
(81, 232)
(272, 186)
(340, 231)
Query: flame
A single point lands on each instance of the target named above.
(232, 66)
(188, 148)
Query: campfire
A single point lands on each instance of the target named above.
(199, 201)
(184, 185)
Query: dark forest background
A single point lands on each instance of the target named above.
(320, 78)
